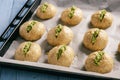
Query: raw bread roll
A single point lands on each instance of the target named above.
(72, 16)
(119, 47)
(61, 55)
(59, 35)
(46, 11)
(31, 30)
(102, 19)
(28, 51)
(95, 39)
(99, 62)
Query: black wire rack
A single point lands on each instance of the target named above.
(11, 31)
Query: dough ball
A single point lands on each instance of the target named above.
(72, 16)
(102, 19)
(46, 11)
(61, 55)
(99, 62)
(95, 39)
(28, 51)
(32, 30)
(119, 47)
(59, 35)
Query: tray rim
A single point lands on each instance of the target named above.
(56, 68)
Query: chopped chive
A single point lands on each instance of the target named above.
(94, 36)
(26, 48)
(98, 57)
(60, 51)
(58, 30)
(102, 14)
(29, 27)
(72, 11)
(44, 7)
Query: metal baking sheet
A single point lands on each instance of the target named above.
(88, 7)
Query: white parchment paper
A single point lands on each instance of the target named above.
(88, 7)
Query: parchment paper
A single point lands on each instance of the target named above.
(88, 7)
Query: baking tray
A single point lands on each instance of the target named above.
(11, 31)
(10, 39)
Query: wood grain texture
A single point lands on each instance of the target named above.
(7, 73)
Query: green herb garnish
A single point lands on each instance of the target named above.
(72, 11)
(44, 7)
(58, 30)
(60, 51)
(29, 27)
(102, 14)
(94, 36)
(26, 48)
(98, 57)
